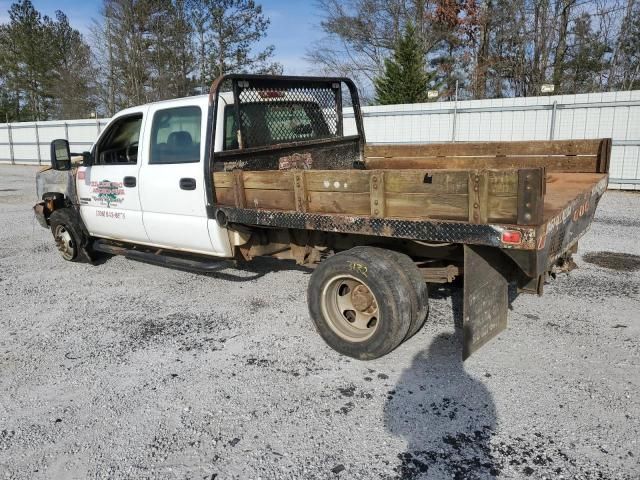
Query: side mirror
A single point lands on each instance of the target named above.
(60, 155)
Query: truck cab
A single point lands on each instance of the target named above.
(145, 181)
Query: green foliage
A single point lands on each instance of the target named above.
(44, 67)
(71, 78)
(227, 33)
(629, 52)
(492, 48)
(143, 51)
(586, 58)
(404, 79)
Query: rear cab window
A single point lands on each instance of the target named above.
(270, 123)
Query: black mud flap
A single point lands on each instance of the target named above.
(486, 297)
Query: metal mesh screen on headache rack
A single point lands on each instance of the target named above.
(272, 113)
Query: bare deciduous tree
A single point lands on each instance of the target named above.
(493, 48)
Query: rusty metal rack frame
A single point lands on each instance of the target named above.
(240, 83)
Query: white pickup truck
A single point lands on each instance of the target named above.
(263, 166)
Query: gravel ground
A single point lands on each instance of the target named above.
(126, 370)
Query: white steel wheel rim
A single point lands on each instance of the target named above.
(350, 308)
(64, 242)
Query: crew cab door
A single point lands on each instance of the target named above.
(172, 188)
(108, 189)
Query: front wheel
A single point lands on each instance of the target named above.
(67, 233)
(357, 304)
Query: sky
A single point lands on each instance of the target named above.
(294, 25)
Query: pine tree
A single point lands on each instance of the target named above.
(228, 33)
(585, 58)
(72, 73)
(404, 79)
(45, 67)
(25, 61)
(630, 51)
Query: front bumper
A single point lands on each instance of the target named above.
(39, 211)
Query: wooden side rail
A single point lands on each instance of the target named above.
(512, 196)
(586, 156)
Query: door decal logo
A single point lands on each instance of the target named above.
(107, 193)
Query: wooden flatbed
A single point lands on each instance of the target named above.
(546, 191)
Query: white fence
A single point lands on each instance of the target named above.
(28, 142)
(596, 115)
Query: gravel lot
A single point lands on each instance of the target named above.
(126, 370)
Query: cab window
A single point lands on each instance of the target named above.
(175, 135)
(119, 146)
(270, 123)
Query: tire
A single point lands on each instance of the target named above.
(357, 304)
(69, 235)
(417, 289)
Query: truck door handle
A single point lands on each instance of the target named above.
(129, 181)
(188, 183)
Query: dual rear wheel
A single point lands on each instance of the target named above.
(366, 301)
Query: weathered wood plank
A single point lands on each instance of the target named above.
(503, 182)
(333, 202)
(426, 205)
(403, 194)
(574, 178)
(356, 181)
(270, 199)
(426, 181)
(224, 196)
(604, 155)
(269, 180)
(300, 190)
(223, 179)
(502, 209)
(584, 164)
(520, 148)
(238, 189)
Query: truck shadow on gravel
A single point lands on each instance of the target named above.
(446, 416)
(448, 420)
